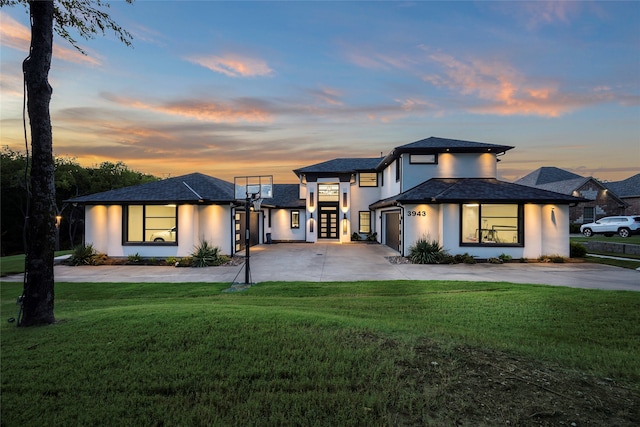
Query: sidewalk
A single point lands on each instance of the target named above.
(326, 262)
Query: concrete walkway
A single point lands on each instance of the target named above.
(326, 262)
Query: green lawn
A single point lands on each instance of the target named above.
(364, 353)
(14, 264)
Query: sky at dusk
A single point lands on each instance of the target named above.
(262, 88)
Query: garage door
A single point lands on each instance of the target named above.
(392, 230)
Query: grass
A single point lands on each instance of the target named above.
(363, 353)
(14, 264)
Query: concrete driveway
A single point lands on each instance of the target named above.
(326, 262)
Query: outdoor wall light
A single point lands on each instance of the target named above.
(344, 200)
(344, 224)
(311, 199)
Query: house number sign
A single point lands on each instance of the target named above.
(416, 213)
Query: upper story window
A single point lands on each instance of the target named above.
(368, 179)
(328, 192)
(423, 159)
(151, 224)
(398, 168)
(491, 224)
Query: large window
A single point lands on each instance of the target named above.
(151, 224)
(364, 225)
(368, 179)
(491, 224)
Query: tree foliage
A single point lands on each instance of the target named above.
(71, 180)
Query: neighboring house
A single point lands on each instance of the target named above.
(629, 191)
(601, 201)
(436, 188)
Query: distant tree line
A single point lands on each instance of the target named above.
(71, 180)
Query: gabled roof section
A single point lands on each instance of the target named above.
(434, 145)
(481, 190)
(547, 175)
(192, 188)
(629, 187)
(343, 165)
(285, 196)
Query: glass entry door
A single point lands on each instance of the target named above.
(328, 222)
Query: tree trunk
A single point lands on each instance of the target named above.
(41, 233)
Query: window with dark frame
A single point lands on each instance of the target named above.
(150, 224)
(423, 159)
(364, 223)
(295, 219)
(368, 179)
(398, 167)
(491, 224)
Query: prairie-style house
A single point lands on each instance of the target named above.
(442, 189)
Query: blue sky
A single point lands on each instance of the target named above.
(248, 88)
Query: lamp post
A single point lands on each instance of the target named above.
(58, 220)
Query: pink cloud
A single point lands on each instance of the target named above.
(233, 65)
(507, 91)
(17, 36)
(243, 110)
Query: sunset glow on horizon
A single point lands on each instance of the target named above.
(262, 88)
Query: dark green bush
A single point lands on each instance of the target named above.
(426, 251)
(355, 237)
(83, 255)
(577, 250)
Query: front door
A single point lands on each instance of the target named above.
(328, 222)
(241, 227)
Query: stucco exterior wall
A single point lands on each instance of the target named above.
(96, 232)
(546, 231)
(103, 230)
(450, 165)
(281, 226)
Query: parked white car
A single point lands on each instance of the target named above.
(164, 236)
(624, 226)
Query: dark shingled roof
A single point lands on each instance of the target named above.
(548, 175)
(345, 165)
(285, 196)
(435, 144)
(442, 144)
(485, 190)
(174, 190)
(629, 187)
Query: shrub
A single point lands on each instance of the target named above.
(134, 259)
(171, 260)
(372, 237)
(205, 255)
(83, 255)
(558, 259)
(494, 260)
(355, 237)
(577, 250)
(464, 258)
(184, 262)
(426, 251)
(505, 258)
